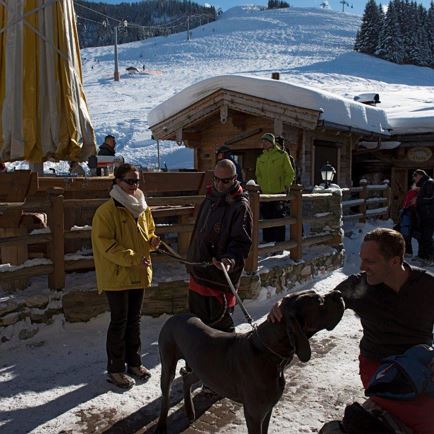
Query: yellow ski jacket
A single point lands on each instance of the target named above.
(274, 171)
(119, 243)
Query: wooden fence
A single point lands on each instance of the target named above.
(365, 202)
(181, 211)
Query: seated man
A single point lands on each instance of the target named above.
(395, 303)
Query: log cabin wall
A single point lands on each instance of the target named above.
(238, 121)
(415, 151)
(241, 133)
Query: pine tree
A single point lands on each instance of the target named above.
(406, 17)
(367, 37)
(151, 14)
(430, 31)
(357, 43)
(277, 4)
(390, 46)
(421, 52)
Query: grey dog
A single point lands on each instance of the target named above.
(245, 367)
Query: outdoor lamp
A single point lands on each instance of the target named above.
(327, 174)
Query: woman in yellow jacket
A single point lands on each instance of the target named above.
(123, 235)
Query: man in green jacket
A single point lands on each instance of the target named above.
(274, 174)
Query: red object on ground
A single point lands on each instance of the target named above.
(417, 414)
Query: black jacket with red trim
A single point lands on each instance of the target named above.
(223, 229)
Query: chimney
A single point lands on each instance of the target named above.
(275, 75)
(368, 98)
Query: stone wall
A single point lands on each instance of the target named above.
(24, 313)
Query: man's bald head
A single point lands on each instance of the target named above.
(228, 166)
(225, 175)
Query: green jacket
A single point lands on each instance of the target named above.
(119, 243)
(274, 171)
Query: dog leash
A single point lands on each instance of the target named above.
(171, 253)
(249, 319)
(168, 251)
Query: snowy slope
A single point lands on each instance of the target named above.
(310, 47)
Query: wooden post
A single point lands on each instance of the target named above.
(252, 259)
(184, 237)
(388, 194)
(17, 254)
(56, 249)
(296, 229)
(363, 195)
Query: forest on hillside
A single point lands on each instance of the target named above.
(96, 22)
(403, 34)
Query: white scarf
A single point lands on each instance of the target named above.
(134, 204)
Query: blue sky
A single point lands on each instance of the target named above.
(358, 5)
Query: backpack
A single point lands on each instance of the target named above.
(366, 419)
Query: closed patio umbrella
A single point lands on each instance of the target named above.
(43, 110)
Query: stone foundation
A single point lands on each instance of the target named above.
(24, 313)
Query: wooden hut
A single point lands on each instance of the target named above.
(236, 111)
(410, 147)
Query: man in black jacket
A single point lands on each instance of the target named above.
(395, 304)
(222, 236)
(225, 153)
(425, 212)
(108, 147)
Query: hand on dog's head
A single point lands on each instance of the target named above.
(306, 313)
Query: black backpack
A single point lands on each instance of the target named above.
(357, 420)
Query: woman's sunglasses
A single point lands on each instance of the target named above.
(224, 180)
(131, 181)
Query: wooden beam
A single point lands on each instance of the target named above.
(277, 247)
(25, 239)
(242, 136)
(27, 272)
(272, 223)
(56, 222)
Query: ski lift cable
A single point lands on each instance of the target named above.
(168, 25)
(132, 26)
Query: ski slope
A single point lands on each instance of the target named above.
(307, 46)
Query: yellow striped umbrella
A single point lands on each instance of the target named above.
(43, 109)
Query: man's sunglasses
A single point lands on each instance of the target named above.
(131, 181)
(224, 180)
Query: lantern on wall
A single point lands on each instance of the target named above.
(327, 174)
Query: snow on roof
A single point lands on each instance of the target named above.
(412, 122)
(334, 109)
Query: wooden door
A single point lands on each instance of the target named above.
(325, 152)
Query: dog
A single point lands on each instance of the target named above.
(248, 367)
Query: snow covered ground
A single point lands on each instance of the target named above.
(55, 382)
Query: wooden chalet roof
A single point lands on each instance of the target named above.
(220, 102)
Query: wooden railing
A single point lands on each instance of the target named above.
(295, 220)
(57, 263)
(181, 210)
(365, 202)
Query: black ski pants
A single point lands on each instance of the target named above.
(211, 311)
(123, 335)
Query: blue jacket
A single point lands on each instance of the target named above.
(405, 376)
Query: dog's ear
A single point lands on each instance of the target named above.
(298, 339)
(335, 308)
